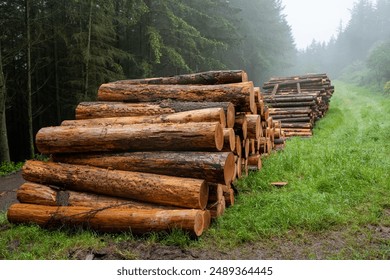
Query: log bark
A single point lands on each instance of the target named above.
(92, 110)
(240, 94)
(138, 221)
(202, 78)
(296, 125)
(212, 167)
(139, 137)
(215, 192)
(33, 193)
(202, 115)
(151, 188)
(291, 104)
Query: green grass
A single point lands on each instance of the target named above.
(339, 177)
(338, 180)
(7, 168)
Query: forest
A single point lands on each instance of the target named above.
(55, 54)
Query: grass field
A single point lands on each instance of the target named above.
(338, 181)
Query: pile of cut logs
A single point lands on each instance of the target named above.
(298, 102)
(150, 155)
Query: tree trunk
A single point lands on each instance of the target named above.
(29, 86)
(137, 221)
(138, 137)
(203, 115)
(240, 94)
(4, 148)
(212, 167)
(203, 78)
(158, 189)
(88, 50)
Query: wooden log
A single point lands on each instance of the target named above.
(212, 167)
(33, 193)
(296, 125)
(152, 188)
(178, 106)
(296, 120)
(92, 110)
(238, 150)
(37, 194)
(255, 160)
(291, 104)
(240, 94)
(241, 126)
(215, 192)
(286, 116)
(229, 197)
(217, 208)
(253, 126)
(288, 98)
(137, 221)
(246, 148)
(202, 115)
(202, 78)
(229, 144)
(289, 111)
(138, 137)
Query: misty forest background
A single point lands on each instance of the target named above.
(55, 54)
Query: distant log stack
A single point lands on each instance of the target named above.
(151, 154)
(298, 102)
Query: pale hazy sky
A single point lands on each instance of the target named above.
(316, 19)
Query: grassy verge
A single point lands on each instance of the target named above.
(338, 181)
(339, 177)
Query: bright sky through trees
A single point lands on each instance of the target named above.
(316, 19)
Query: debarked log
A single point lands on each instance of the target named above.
(202, 115)
(213, 167)
(138, 221)
(138, 137)
(152, 188)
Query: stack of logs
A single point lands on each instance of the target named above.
(150, 155)
(298, 102)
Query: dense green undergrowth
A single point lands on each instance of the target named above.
(338, 179)
(7, 168)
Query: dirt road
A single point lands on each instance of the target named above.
(8, 186)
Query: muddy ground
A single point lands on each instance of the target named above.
(371, 242)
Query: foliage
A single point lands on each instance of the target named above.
(379, 61)
(387, 88)
(361, 38)
(78, 45)
(7, 168)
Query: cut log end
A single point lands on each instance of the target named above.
(230, 115)
(219, 138)
(229, 169)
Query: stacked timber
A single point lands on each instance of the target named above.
(149, 155)
(298, 101)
